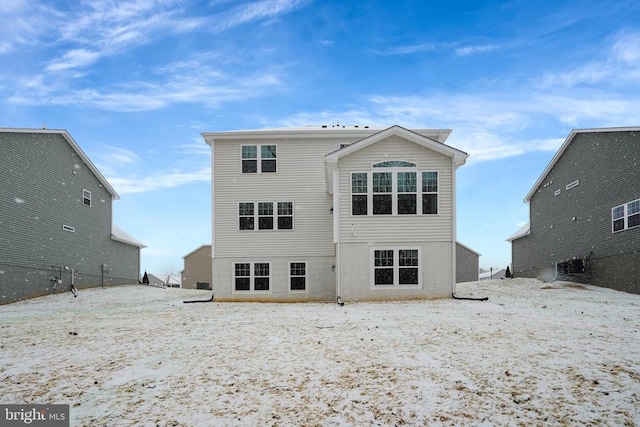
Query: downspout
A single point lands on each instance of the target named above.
(455, 238)
(336, 234)
(454, 230)
(213, 217)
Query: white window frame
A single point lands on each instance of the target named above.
(624, 217)
(258, 158)
(305, 276)
(252, 278)
(394, 191)
(275, 215)
(396, 267)
(86, 197)
(436, 193)
(68, 228)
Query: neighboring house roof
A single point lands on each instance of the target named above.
(331, 160)
(497, 274)
(168, 280)
(562, 149)
(197, 249)
(468, 248)
(120, 235)
(75, 148)
(525, 230)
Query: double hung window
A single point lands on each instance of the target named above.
(396, 191)
(251, 276)
(298, 276)
(86, 197)
(259, 158)
(626, 216)
(265, 216)
(396, 267)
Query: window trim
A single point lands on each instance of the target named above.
(624, 217)
(306, 277)
(68, 228)
(86, 197)
(394, 191)
(275, 215)
(252, 277)
(258, 158)
(396, 267)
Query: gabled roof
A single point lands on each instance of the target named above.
(207, 245)
(525, 230)
(75, 148)
(120, 235)
(564, 146)
(331, 160)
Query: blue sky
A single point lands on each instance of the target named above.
(136, 82)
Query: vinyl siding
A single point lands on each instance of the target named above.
(406, 228)
(577, 222)
(197, 268)
(300, 179)
(42, 181)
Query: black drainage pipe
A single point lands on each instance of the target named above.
(187, 301)
(469, 299)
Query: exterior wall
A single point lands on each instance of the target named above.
(433, 233)
(577, 222)
(197, 268)
(356, 272)
(300, 178)
(467, 265)
(406, 228)
(320, 280)
(42, 181)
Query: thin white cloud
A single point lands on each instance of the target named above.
(410, 49)
(259, 10)
(198, 147)
(187, 82)
(73, 59)
(620, 63)
(473, 50)
(158, 180)
(120, 156)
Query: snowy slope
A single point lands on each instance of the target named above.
(535, 353)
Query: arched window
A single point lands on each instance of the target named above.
(394, 164)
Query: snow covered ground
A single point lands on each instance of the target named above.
(536, 353)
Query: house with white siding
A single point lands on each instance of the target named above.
(324, 213)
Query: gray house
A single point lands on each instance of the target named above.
(585, 213)
(56, 225)
(467, 263)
